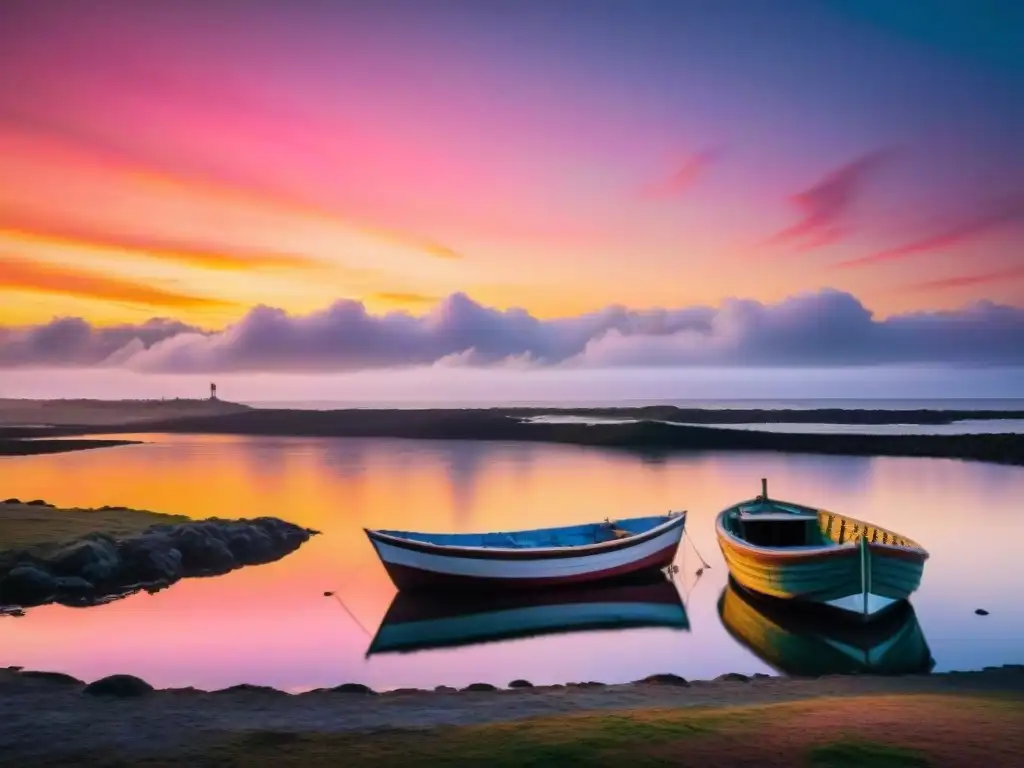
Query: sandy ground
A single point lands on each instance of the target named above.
(105, 412)
(43, 720)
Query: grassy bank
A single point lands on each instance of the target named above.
(38, 525)
(881, 731)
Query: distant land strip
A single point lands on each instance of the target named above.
(649, 436)
(34, 447)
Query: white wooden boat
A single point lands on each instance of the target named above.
(427, 621)
(540, 558)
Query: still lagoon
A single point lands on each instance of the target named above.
(273, 625)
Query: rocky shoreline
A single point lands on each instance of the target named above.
(98, 567)
(46, 715)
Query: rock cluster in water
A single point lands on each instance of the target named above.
(97, 567)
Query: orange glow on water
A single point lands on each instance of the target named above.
(272, 625)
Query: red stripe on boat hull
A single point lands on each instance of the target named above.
(409, 578)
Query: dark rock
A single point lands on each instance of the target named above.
(38, 503)
(981, 612)
(353, 688)
(480, 687)
(520, 684)
(251, 545)
(204, 553)
(12, 501)
(732, 677)
(444, 689)
(92, 558)
(150, 558)
(590, 684)
(397, 691)
(51, 677)
(118, 685)
(75, 587)
(27, 585)
(664, 679)
(328, 594)
(760, 676)
(97, 568)
(247, 688)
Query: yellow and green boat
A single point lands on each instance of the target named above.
(806, 644)
(812, 556)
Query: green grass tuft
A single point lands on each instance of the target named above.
(854, 754)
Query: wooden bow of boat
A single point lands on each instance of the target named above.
(530, 559)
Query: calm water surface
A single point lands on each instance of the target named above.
(272, 625)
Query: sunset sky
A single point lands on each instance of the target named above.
(192, 160)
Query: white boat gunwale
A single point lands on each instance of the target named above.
(673, 519)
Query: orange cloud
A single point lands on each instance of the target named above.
(442, 251)
(406, 298)
(24, 275)
(205, 177)
(182, 250)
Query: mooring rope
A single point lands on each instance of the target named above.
(347, 610)
(704, 563)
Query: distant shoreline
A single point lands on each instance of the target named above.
(43, 446)
(647, 430)
(652, 435)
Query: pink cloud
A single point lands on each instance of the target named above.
(969, 281)
(694, 168)
(827, 204)
(1001, 214)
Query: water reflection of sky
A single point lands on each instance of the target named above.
(272, 625)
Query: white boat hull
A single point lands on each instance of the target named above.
(415, 565)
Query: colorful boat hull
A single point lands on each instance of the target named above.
(859, 569)
(420, 622)
(803, 643)
(421, 564)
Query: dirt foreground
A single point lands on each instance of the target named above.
(965, 718)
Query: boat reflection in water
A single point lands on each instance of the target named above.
(417, 622)
(808, 643)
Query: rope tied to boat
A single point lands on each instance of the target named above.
(703, 563)
(347, 610)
